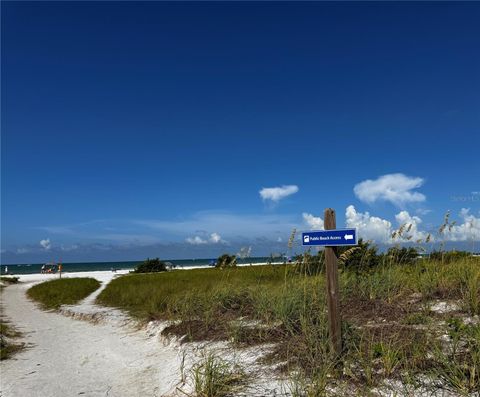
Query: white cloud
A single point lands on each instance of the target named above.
(411, 226)
(196, 240)
(394, 188)
(313, 222)
(22, 250)
(469, 230)
(276, 194)
(369, 227)
(214, 238)
(46, 244)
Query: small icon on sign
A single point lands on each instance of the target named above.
(306, 239)
(349, 237)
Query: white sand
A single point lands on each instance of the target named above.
(68, 357)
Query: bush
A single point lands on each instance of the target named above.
(226, 261)
(362, 256)
(151, 266)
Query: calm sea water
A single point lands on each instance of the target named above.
(96, 266)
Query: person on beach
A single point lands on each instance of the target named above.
(6, 270)
(42, 271)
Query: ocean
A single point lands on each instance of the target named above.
(97, 266)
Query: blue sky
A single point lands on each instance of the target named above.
(149, 129)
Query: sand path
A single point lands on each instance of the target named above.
(68, 357)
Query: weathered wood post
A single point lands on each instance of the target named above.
(333, 293)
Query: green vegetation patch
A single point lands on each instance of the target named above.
(7, 346)
(151, 266)
(9, 279)
(67, 291)
(215, 377)
(388, 331)
(190, 293)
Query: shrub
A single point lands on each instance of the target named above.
(226, 261)
(151, 266)
(363, 256)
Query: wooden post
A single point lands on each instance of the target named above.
(333, 294)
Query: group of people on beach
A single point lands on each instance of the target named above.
(51, 268)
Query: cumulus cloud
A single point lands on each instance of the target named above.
(313, 222)
(46, 244)
(411, 224)
(276, 194)
(394, 188)
(369, 227)
(469, 230)
(214, 238)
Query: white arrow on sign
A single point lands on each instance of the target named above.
(349, 237)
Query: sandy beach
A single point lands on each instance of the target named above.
(67, 357)
(106, 355)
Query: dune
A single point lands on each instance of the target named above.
(107, 355)
(67, 357)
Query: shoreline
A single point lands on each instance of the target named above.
(107, 275)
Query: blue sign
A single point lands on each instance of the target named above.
(335, 237)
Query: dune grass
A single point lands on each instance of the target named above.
(9, 279)
(389, 331)
(8, 333)
(215, 377)
(68, 291)
(7, 336)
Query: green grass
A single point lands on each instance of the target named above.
(67, 291)
(190, 293)
(7, 346)
(386, 334)
(8, 333)
(215, 377)
(10, 279)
